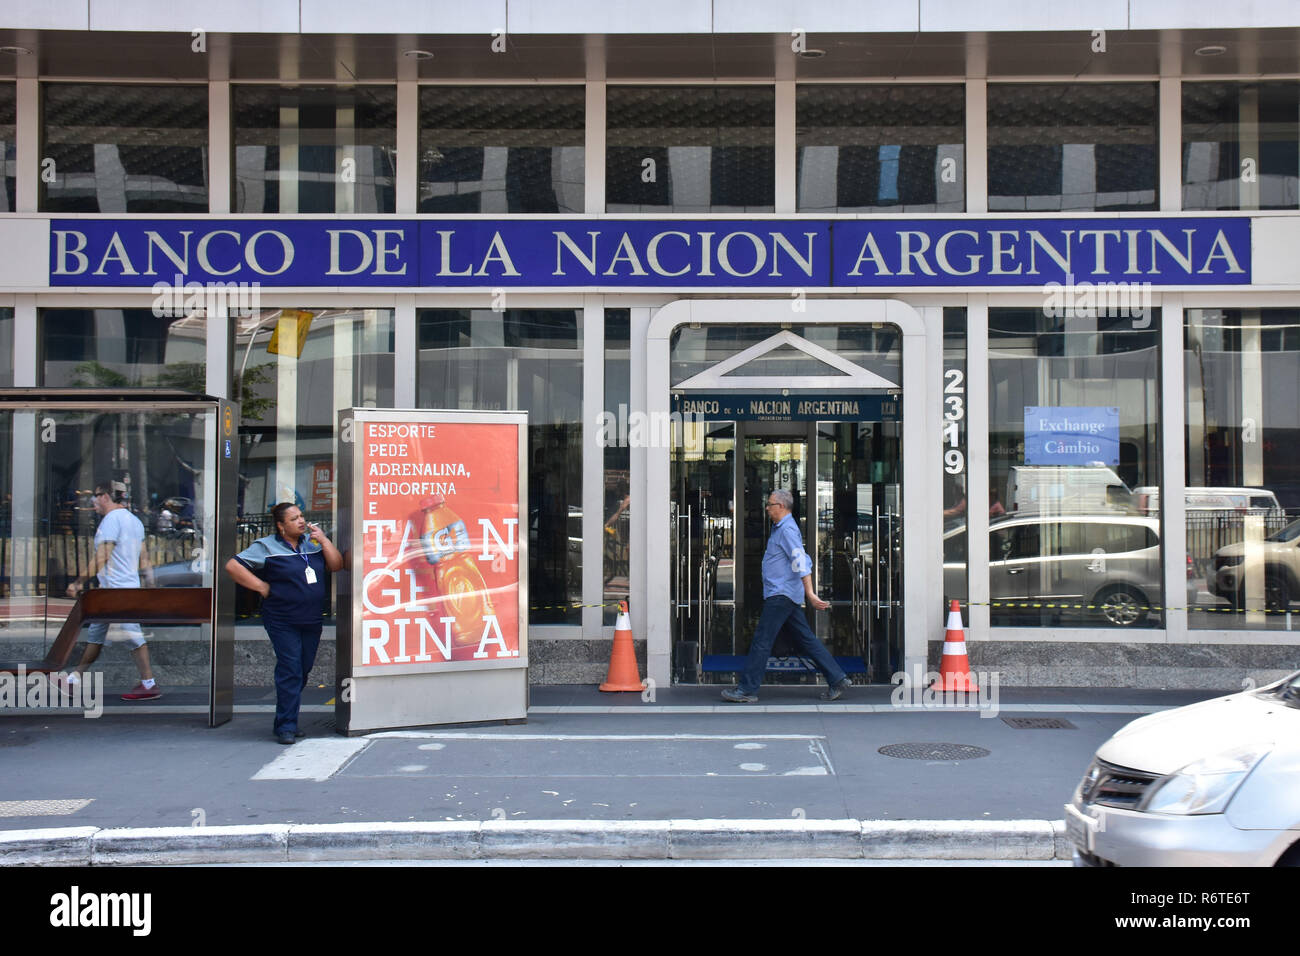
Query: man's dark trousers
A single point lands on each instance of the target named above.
(779, 611)
(295, 653)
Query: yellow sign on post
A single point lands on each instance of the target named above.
(292, 322)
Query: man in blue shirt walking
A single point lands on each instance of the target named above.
(787, 581)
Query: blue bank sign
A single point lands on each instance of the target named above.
(607, 253)
(1079, 435)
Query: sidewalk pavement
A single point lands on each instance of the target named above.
(589, 776)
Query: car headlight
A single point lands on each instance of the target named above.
(1206, 785)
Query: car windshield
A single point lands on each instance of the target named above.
(1289, 533)
(1288, 691)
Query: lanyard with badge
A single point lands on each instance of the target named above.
(311, 572)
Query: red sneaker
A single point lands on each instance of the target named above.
(140, 692)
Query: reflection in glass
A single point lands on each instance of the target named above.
(1073, 548)
(122, 348)
(502, 149)
(324, 149)
(1066, 146)
(294, 369)
(6, 348)
(690, 149)
(881, 148)
(1241, 145)
(1242, 367)
(125, 148)
(617, 531)
(529, 360)
(8, 156)
(157, 460)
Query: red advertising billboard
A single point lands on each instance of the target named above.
(440, 543)
(322, 486)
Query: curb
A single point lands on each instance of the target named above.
(541, 840)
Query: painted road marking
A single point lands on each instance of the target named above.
(316, 759)
(43, 808)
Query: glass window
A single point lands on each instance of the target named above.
(1072, 146)
(690, 149)
(295, 369)
(1074, 428)
(881, 148)
(6, 348)
(8, 154)
(530, 360)
(311, 149)
(496, 149)
(125, 148)
(122, 348)
(1241, 145)
(1243, 466)
(616, 535)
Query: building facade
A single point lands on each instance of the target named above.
(902, 261)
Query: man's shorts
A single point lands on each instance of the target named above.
(99, 631)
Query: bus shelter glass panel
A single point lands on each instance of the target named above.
(157, 461)
(1074, 443)
(1243, 468)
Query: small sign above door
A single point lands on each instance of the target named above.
(778, 407)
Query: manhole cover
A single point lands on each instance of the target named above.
(934, 751)
(1038, 723)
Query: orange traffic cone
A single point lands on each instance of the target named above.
(623, 673)
(954, 668)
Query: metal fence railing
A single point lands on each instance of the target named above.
(1210, 531)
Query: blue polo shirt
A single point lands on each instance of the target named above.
(785, 562)
(293, 600)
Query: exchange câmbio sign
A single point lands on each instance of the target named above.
(435, 583)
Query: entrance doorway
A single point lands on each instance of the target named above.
(846, 481)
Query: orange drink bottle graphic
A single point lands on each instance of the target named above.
(447, 547)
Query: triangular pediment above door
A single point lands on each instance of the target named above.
(785, 360)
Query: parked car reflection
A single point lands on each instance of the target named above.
(1102, 568)
(1272, 566)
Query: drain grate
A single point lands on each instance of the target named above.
(928, 751)
(42, 808)
(1038, 723)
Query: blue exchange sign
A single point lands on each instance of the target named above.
(1079, 435)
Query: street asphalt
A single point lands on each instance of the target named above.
(666, 768)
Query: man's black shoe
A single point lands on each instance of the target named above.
(285, 738)
(836, 691)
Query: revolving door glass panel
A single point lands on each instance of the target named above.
(812, 409)
(845, 478)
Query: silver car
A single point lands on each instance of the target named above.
(1107, 564)
(1212, 784)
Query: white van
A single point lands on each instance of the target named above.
(1247, 500)
(1066, 489)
